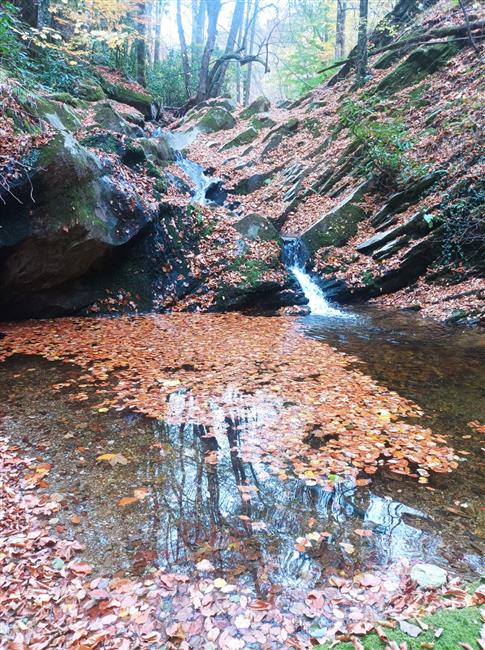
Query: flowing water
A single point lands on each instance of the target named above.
(194, 509)
(294, 256)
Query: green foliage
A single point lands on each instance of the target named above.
(165, 80)
(384, 141)
(13, 52)
(458, 625)
(463, 222)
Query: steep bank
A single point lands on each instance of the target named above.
(94, 217)
(384, 185)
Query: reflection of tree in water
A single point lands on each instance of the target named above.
(197, 508)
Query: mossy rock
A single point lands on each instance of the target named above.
(66, 98)
(59, 116)
(106, 142)
(257, 228)
(22, 125)
(259, 105)
(143, 102)
(157, 149)
(134, 154)
(89, 91)
(340, 224)
(245, 137)
(107, 118)
(262, 121)
(420, 63)
(216, 119)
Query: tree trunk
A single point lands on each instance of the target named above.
(362, 55)
(236, 24)
(34, 12)
(157, 31)
(213, 10)
(249, 69)
(198, 28)
(141, 45)
(183, 50)
(340, 29)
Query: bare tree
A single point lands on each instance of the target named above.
(213, 11)
(183, 49)
(140, 44)
(362, 54)
(234, 30)
(249, 70)
(340, 29)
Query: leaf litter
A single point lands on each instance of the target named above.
(51, 599)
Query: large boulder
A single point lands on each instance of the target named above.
(124, 94)
(216, 119)
(73, 213)
(259, 105)
(257, 228)
(340, 224)
(107, 118)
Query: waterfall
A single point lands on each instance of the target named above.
(294, 257)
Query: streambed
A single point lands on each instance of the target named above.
(194, 509)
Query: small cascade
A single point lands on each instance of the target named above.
(294, 257)
(196, 174)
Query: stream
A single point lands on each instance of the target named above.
(193, 509)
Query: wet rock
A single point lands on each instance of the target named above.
(339, 225)
(81, 213)
(245, 137)
(428, 576)
(256, 227)
(107, 118)
(401, 200)
(296, 310)
(60, 116)
(423, 61)
(216, 119)
(259, 105)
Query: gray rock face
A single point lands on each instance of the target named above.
(414, 227)
(339, 225)
(81, 212)
(428, 576)
(256, 227)
(401, 200)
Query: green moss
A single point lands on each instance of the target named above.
(419, 64)
(66, 98)
(134, 154)
(251, 270)
(103, 141)
(141, 101)
(459, 626)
